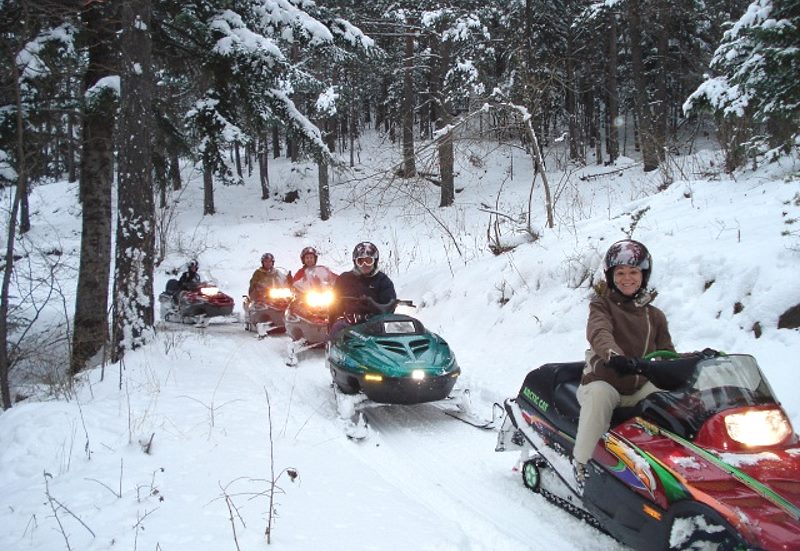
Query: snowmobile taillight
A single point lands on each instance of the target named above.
(209, 291)
(278, 293)
(319, 299)
(757, 428)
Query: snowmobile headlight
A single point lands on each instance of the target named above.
(209, 291)
(277, 293)
(418, 374)
(373, 377)
(758, 428)
(319, 299)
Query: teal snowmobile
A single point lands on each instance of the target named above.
(391, 358)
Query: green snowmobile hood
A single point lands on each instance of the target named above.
(391, 345)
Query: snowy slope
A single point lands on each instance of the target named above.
(216, 404)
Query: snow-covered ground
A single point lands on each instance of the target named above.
(177, 449)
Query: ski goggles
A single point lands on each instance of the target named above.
(365, 261)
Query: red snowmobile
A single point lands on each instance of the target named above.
(195, 305)
(710, 463)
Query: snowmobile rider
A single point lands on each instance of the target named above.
(623, 326)
(266, 277)
(308, 256)
(364, 282)
(190, 279)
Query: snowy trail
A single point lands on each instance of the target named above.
(452, 468)
(441, 465)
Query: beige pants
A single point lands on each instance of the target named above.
(598, 400)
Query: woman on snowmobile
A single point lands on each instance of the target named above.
(623, 326)
(266, 277)
(363, 282)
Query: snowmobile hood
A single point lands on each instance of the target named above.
(392, 345)
(721, 440)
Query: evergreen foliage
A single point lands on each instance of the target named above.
(756, 70)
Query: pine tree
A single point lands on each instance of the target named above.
(756, 70)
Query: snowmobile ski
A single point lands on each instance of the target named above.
(349, 411)
(470, 418)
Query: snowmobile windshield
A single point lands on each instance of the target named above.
(315, 277)
(392, 325)
(715, 384)
(737, 372)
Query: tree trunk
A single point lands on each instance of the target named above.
(409, 164)
(72, 171)
(263, 167)
(238, 158)
(276, 142)
(160, 174)
(641, 105)
(208, 188)
(8, 268)
(324, 190)
(174, 167)
(571, 103)
(323, 171)
(24, 208)
(661, 110)
(448, 194)
(612, 89)
(133, 281)
(91, 301)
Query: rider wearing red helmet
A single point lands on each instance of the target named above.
(308, 256)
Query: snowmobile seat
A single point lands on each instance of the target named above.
(566, 399)
(565, 388)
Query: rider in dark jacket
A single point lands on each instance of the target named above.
(190, 278)
(364, 282)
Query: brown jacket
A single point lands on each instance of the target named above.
(624, 326)
(263, 280)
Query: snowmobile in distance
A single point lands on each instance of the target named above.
(266, 314)
(195, 306)
(391, 358)
(306, 317)
(710, 463)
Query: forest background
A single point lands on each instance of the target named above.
(92, 91)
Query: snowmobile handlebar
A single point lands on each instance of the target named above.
(371, 303)
(670, 370)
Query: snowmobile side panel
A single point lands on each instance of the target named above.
(626, 515)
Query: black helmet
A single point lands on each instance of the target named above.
(365, 249)
(627, 253)
(193, 266)
(267, 256)
(308, 250)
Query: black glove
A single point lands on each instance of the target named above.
(625, 365)
(708, 353)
